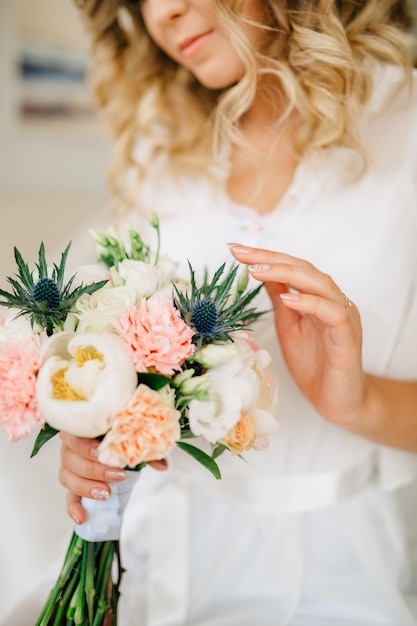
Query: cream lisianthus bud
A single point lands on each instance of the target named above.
(153, 219)
(180, 378)
(214, 354)
(196, 387)
(83, 381)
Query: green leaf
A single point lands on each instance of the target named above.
(19, 290)
(218, 449)
(187, 434)
(60, 271)
(201, 457)
(138, 467)
(154, 381)
(42, 265)
(45, 435)
(89, 289)
(24, 273)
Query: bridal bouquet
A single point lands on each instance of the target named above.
(140, 360)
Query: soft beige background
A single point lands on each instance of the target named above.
(51, 188)
(52, 176)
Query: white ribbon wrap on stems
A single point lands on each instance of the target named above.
(104, 518)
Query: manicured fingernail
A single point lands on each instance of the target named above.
(290, 296)
(237, 247)
(100, 494)
(75, 517)
(94, 451)
(162, 464)
(115, 474)
(259, 268)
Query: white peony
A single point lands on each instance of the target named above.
(83, 381)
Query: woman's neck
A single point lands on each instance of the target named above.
(262, 170)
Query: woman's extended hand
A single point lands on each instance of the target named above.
(318, 328)
(84, 476)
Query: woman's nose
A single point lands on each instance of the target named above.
(163, 11)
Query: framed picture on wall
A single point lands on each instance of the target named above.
(48, 59)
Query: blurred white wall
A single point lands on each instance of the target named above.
(52, 186)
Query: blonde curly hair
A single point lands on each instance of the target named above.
(317, 53)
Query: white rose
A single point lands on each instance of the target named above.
(83, 381)
(98, 312)
(144, 278)
(214, 417)
(167, 267)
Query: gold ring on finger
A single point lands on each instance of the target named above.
(347, 303)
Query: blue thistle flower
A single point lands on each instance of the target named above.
(218, 306)
(205, 318)
(46, 292)
(49, 300)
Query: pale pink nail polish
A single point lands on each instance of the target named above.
(239, 248)
(115, 474)
(259, 268)
(290, 296)
(99, 494)
(76, 519)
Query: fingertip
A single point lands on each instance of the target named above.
(75, 509)
(77, 513)
(160, 465)
(238, 248)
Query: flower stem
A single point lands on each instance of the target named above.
(90, 590)
(71, 560)
(66, 597)
(80, 595)
(87, 589)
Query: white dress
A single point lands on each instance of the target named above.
(310, 531)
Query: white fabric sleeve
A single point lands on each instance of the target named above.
(104, 519)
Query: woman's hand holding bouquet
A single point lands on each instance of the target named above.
(139, 362)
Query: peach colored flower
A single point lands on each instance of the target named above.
(145, 430)
(242, 436)
(19, 363)
(157, 338)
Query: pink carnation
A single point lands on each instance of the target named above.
(145, 430)
(19, 363)
(156, 336)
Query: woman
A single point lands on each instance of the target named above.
(288, 127)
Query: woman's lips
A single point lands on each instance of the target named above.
(191, 46)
